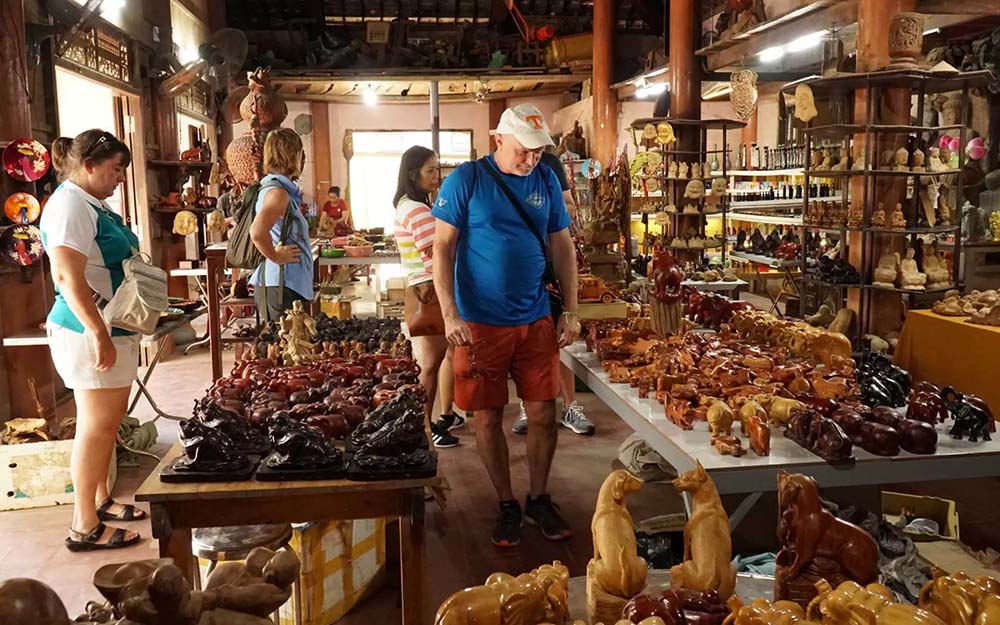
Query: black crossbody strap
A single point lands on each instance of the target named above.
(517, 206)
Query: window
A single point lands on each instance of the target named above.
(375, 166)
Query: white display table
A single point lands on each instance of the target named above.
(955, 459)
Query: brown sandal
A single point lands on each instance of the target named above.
(128, 513)
(80, 541)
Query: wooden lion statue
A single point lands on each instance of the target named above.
(529, 599)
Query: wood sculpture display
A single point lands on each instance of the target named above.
(960, 599)
(708, 549)
(616, 573)
(816, 545)
(529, 599)
(665, 299)
(852, 603)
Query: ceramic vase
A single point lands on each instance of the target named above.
(906, 39)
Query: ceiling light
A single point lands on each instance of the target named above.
(771, 54)
(931, 31)
(806, 42)
(648, 90)
(369, 97)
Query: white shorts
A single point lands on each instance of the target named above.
(74, 357)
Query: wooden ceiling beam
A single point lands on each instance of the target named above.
(837, 16)
(957, 7)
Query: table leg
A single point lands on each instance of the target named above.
(175, 543)
(741, 510)
(411, 548)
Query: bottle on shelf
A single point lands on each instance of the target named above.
(755, 157)
(715, 159)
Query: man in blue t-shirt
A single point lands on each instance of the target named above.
(489, 269)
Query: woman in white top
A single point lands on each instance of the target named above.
(86, 243)
(419, 178)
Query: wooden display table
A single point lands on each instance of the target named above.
(175, 509)
(950, 351)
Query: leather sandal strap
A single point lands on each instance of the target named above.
(92, 536)
(107, 503)
(118, 537)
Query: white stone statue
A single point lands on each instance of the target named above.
(910, 276)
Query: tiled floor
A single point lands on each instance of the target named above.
(31, 540)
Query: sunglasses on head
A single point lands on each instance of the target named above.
(107, 136)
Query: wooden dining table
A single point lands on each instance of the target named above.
(176, 509)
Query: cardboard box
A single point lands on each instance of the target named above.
(389, 310)
(34, 475)
(942, 511)
(342, 562)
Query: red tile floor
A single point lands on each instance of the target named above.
(31, 540)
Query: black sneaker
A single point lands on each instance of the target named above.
(544, 514)
(442, 438)
(450, 421)
(507, 531)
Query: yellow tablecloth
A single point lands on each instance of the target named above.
(950, 351)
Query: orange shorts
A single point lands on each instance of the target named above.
(529, 353)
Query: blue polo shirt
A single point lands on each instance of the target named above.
(499, 264)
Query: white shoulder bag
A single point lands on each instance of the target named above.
(141, 297)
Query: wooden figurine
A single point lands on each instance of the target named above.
(728, 445)
(762, 612)
(959, 599)
(878, 217)
(708, 549)
(897, 219)
(759, 434)
(815, 544)
(529, 599)
(298, 330)
(682, 170)
(616, 573)
(918, 161)
(852, 603)
(672, 169)
(720, 418)
(902, 158)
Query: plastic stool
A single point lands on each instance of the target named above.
(235, 542)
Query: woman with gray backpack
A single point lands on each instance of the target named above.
(273, 239)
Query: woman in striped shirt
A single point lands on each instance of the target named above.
(419, 179)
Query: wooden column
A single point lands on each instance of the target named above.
(322, 161)
(685, 67)
(748, 134)
(886, 309)
(28, 293)
(605, 100)
(497, 107)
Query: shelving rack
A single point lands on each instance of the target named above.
(672, 189)
(877, 137)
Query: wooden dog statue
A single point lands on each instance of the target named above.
(616, 573)
(815, 544)
(708, 549)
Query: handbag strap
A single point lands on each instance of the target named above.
(518, 206)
